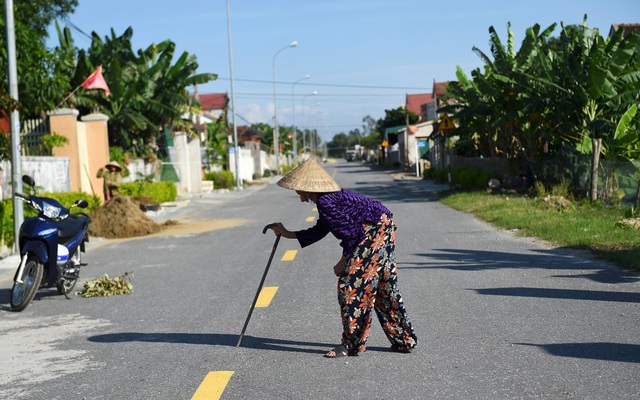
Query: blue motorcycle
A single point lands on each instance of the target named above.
(50, 247)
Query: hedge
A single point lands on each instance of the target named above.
(159, 192)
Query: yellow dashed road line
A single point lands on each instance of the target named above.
(215, 382)
(266, 295)
(311, 219)
(289, 255)
(212, 386)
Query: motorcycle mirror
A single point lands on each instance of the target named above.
(28, 180)
(82, 203)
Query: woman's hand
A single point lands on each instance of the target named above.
(279, 229)
(340, 267)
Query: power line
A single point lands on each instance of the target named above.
(330, 85)
(67, 20)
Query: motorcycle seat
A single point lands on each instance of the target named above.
(69, 227)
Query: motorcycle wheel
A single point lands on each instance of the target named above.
(23, 293)
(65, 286)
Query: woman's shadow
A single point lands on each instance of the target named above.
(219, 339)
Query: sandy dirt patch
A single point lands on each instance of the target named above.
(122, 218)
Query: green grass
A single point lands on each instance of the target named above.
(580, 225)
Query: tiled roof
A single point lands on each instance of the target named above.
(213, 101)
(414, 101)
(628, 28)
(439, 88)
(247, 131)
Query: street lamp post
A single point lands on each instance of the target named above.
(293, 120)
(304, 135)
(276, 145)
(233, 105)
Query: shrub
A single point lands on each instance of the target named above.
(159, 192)
(6, 225)
(221, 180)
(467, 178)
(539, 190)
(439, 175)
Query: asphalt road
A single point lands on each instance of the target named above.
(497, 316)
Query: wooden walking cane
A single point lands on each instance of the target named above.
(273, 251)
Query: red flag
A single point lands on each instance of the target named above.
(96, 81)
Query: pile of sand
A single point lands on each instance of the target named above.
(121, 217)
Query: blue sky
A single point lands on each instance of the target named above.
(362, 56)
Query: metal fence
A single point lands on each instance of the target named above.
(32, 131)
(617, 181)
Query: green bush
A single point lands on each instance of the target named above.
(6, 227)
(221, 180)
(159, 192)
(469, 178)
(438, 175)
(285, 169)
(466, 178)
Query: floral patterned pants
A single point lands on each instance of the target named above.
(370, 282)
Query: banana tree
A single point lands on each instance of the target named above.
(623, 145)
(148, 89)
(595, 81)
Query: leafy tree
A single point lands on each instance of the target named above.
(596, 80)
(368, 125)
(267, 132)
(396, 117)
(217, 145)
(572, 89)
(42, 79)
(498, 114)
(148, 91)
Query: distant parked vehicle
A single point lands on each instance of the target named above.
(351, 155)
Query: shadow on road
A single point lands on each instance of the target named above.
(568, 294)
(220, 339)
(478, 260)
(618, 352)
(5, 296)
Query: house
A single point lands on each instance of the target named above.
(213, 105)
(247, 134)
(628, 28)
(420, 104)
(411, 145)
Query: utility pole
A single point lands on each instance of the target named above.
(236, 149)
(16, 161)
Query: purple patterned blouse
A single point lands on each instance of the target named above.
(343, 213)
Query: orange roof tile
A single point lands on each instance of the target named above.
(439, 88)
(415, 101)
(213, 101)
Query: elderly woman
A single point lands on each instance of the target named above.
(112, 174)
(367, 268)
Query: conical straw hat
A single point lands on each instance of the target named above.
(114, 164)
(309, 177)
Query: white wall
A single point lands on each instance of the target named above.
(50, 173)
